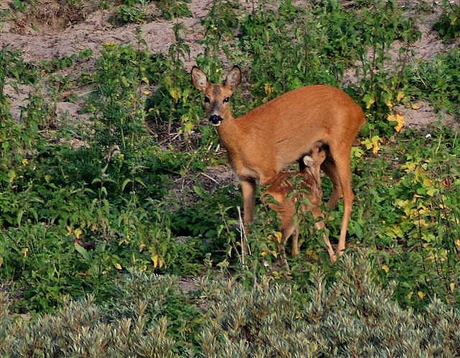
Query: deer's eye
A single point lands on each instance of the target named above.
(206, 99)
(226, 99)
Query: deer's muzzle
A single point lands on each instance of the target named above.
(215, 120)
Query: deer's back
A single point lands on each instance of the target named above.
(289, 125)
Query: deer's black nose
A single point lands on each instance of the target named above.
(215, 119)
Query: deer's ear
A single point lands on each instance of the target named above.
(199, 79)
(233, 78)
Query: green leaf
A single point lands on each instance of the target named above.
(82, 251)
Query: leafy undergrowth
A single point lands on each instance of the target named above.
(103, 221)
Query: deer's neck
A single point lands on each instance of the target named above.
(231, 134)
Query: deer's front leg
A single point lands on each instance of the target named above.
(248, 188)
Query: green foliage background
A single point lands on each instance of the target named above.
(114, 240)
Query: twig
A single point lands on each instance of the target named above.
(244, 238)
(210, 178)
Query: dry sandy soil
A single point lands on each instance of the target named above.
(52, 31)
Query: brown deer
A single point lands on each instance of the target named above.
(288, 192)
(268, 138)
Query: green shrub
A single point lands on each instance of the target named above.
(438, 81)
(351, 317)
(73, 218)
(141, 11)
(346, 315)
(287, 46)
(412, 214)
(80, 329)
(448, 24)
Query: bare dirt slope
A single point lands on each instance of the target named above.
(44, 39)
(54, 31)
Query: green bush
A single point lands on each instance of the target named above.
(351, 317)
(140, 11)
(149, 315)
(72, 218)
(413, 214)
(438, 81)
(286, 47)
(448, 24)
(80, 330)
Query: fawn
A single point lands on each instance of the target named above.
(289, 191)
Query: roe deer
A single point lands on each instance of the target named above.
(289, 191)
(263, 141)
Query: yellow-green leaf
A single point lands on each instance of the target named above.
(268, 88)
(357, 152)
(278, 237)
(155, 260)
(399, 119)
(385, 268)
(175, 93)
(188, 127)
(369, 100)
(373, 143)
(78, 232)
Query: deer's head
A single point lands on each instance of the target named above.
(217, 96)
